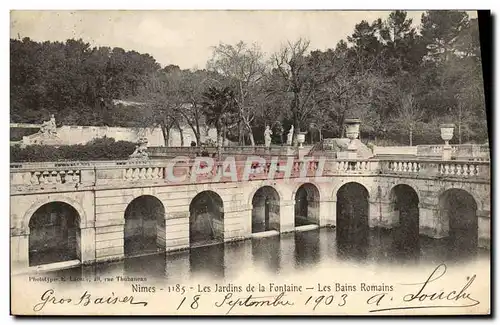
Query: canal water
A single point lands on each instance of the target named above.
(284, 254)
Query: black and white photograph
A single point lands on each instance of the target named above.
(250, 162)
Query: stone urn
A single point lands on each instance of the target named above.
(352, 131)
(447, 132)
(301, 138)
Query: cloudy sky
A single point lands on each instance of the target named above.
(185, 38)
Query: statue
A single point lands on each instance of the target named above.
(140, 151)
(290, 136)
(49, 127)
(267, 136)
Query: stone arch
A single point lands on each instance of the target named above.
(337, 187)
(413, 186)
(265, 209)
(260, 185)
(53, 198)
(144, 228)
(307, 197)
(206, 219)
(54, 234)
(322, 195)
(462, 187)
(457, 212)
(405, 217)
(352, 225)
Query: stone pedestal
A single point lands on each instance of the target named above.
(446, 152)
(350, 154)
(87, 245)
(302, 152)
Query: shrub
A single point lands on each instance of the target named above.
(97, 149)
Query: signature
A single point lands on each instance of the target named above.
(251, 301)
(49, 298)
(430, 298)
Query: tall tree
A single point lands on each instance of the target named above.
(244, 67)
(440, 31)
(219, 108)
(294, 77)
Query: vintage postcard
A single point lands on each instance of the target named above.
(249, 163)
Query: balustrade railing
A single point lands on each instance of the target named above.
(114, 173)
(404, 166)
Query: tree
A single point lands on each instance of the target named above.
(408, 115)
(160, 103)
(293, 76)
(243, 66)
(440, 31)
(219, 108)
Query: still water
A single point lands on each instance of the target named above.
(283, 254)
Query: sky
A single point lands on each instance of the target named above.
(186, 38)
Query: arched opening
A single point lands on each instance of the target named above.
(352, 219)
(307, 205)
(404, 203)
(265, 210)
(54, 234)
(144, 229)
(206, 220)
(458, 208)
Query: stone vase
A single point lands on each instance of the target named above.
(447, 132)
(352, 131)
(301, 138)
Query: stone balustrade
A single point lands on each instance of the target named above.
(479, 170)
(169, 152)
(473, 152)
(52, 175)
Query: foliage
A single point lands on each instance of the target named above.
(97, 149)
(437, 63)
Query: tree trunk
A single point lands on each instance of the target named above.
(459, 132)
(181, 132)
(166, 134)
(250, 135)
(240, 135)
(411, 137)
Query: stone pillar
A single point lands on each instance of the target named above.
(327, 213)
(246, 220)
(287, 216)
(382, 214)
(432, 222)
(87, 245)
(484, 229)
(375, 217)
(19, 249)
(109, 241)
(177, 231)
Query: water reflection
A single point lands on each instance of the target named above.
(281, 254)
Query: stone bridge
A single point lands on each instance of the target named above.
(65, 214)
